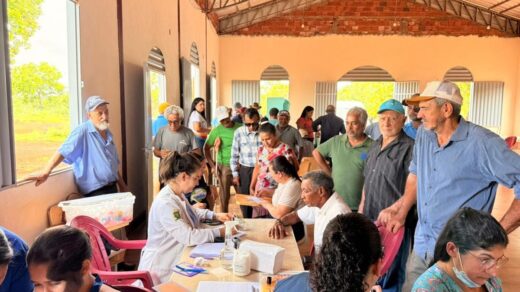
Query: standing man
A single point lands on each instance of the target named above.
(415, 122)
(331, 125)
(455, 164)
(161, 121)
(348, 154)
(175, 137)
(243, 155)
(385, 174)
(221, 137)
(273, 116)
(288, 134)
(91, 151)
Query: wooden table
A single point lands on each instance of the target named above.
(243, 200)
(257, 230)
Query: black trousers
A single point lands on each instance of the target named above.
(108, 189)
(245, 174)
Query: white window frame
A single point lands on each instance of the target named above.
(7, 149)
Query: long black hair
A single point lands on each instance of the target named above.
(63, 249)
(351, 245)
(282, 164)
(194, 104)
(469, 229)
(306, 110)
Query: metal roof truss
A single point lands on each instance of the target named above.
(260, 13)
(477, 14)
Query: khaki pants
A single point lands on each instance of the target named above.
(225, 179)
(415, 266)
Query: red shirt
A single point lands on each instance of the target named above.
(306, 123)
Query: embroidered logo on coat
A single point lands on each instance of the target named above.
(176, 214)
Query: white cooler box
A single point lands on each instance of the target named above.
(111, 209)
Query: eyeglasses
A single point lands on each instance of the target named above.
(174, 122)
(255, 124)
(488, 263)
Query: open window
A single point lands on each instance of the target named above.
(274, 89)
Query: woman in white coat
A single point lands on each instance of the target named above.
(173, 223)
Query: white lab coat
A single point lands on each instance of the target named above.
(170, 230)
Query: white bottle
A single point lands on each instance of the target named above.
(242, 263)
(227, 253)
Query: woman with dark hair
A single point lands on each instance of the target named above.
(173, 223)
(14, 275)
(59, 260)
(349, 259)
(287, 196)
(197, 121)
(201, 196)
(262, 182)
(305, 123)
(467, 255)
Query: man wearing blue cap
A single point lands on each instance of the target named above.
(455, 164)
(385, 174)
(91, 151)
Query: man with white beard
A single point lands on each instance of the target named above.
(91, 151)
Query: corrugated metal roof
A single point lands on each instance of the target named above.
(506, 7)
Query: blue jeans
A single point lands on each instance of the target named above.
(394, 278)
(200, 143)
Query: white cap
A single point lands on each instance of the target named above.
(441, 89)
(221, 113)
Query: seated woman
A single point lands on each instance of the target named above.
(467, 255)
(173, 223)
(262, 183)
(349, 259)
(287, 196)
(14, 275)
(59, 260)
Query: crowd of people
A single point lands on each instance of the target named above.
(435, 176)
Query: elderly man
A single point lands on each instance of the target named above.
(455, 164)
(322, 205)
(287, 133)
(331, 125)
(243, 155)
(415, 122)
(221, 137)
(90, 149)
(174, 137)
(348, 154)
(385, 174)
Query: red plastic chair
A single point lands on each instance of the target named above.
(510, 141)
(100, 263)
(391, 243)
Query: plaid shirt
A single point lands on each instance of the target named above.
(244, 150)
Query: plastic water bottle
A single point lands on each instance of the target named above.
(227, 253)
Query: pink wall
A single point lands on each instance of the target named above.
(327, 58)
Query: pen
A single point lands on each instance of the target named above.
(190, 270)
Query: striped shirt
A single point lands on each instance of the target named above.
(385, 173)
(244, 150)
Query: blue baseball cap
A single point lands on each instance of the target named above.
(391, 105)
(93, 102)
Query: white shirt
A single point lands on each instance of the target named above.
(170, 230)
(321, 217)
(288, 194)
(195, 117)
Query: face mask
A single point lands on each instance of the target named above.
(462, 276)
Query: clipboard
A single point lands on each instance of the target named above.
(245, 200)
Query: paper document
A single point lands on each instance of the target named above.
(214, 286)
(207, 250)
(255, 199)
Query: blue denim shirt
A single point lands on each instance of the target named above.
(94, 160)
(17, 277)
(410, 130)
(464, 173)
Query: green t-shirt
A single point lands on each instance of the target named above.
(226, 141)
(347, 167)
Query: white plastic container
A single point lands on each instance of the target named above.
(111, 209)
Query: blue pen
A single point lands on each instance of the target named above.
(200, 270)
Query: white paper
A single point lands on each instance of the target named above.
(207, 250)
(255, 199)
(215, 286)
